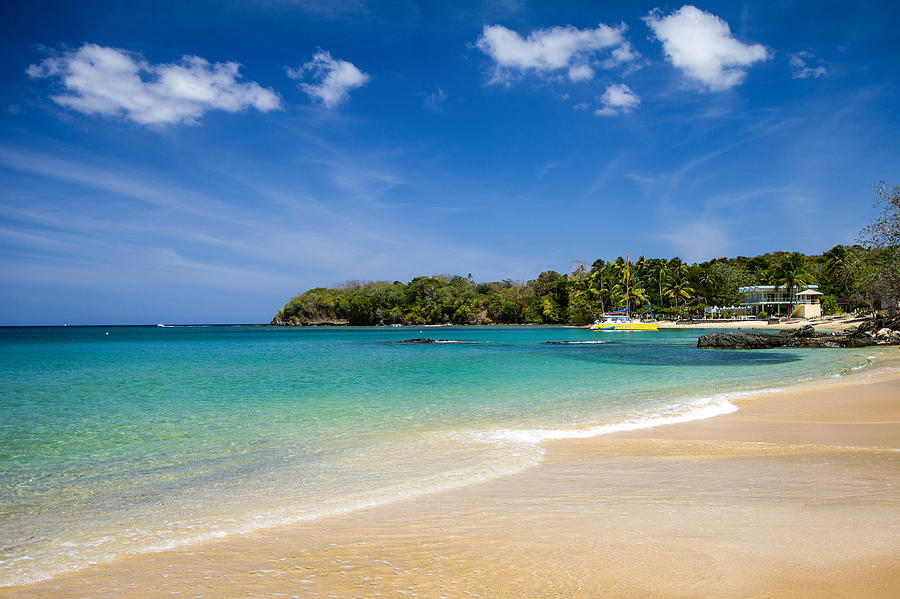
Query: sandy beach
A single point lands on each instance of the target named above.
(836, 324)
(794, 495)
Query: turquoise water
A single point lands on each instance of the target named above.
(128, 439)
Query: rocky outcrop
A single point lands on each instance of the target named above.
(280, 320)
(878, 331)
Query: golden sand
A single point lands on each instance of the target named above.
(795, 495)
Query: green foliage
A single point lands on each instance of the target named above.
(869, 274)
(878, 266)
(360, 310)
(793, 274)
(829, 305)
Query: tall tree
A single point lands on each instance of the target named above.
(661, 273)
(880, 267)
(793, 273)
(678, 288)
(837, 269)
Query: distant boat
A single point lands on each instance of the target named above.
(622, 320)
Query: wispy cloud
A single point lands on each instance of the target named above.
(85, 174)
(435, 100)
(113, 82)
(554, 50)
(334, 78)
(145, 227)
(545, 169)
(701, 45)
(805, 65)
(700, 238)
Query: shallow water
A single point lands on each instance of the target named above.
(146, 438)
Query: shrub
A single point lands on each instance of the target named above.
(829, 305)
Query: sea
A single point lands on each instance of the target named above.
(116, 441)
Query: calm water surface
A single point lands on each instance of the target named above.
(146, 438)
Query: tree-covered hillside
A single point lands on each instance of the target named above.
(671, 287)
(860, 276)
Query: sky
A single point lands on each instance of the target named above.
(204, 162)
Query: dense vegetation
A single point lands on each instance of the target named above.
(859, 276)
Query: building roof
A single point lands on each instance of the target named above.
(810, 292)
(767, 288)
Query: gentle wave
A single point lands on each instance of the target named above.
(74, 556)
(868, 362)
(696, 409)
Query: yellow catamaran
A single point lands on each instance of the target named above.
(622, 320)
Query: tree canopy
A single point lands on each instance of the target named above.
(865, 275)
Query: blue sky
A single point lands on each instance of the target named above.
(204, 162)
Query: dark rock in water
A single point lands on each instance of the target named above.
(867, 334)
(738, 340)
(805, 331)
(420, 340)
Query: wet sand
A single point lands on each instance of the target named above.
(795, 495)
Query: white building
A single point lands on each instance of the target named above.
(765, 298)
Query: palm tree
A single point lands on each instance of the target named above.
(619, 267)
(595, 280)
(679, 268)
(662, 272)
(793, 273)
(678, 288)
(708, 282)
(611, 292)
(640, 266)
(837, 268)
(636, 298)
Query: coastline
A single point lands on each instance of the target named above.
(793, 495)
(821, 324)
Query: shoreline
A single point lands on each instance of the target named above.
(573, 479)
(840, 324)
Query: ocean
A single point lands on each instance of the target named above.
(121, 440)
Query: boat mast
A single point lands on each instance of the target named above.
(627, 282)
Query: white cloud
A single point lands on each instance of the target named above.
(335, 78)
(701, 45)
(581, 72)
(801, 65)
(554, 49)
(114, 82)
(617, 99)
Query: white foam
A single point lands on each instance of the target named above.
(696, 409)
(869, 361)
(70, 556)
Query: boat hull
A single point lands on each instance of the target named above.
(626, 326)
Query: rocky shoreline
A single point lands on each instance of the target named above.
(878, 331)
